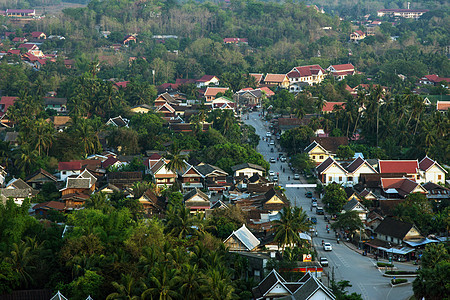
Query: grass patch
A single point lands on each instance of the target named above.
(398, 281)
(382, 265)
(401, 272)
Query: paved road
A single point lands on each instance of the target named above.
(343, 261)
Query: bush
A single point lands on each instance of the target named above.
(398, 281)
(381, 265)
(401, 272)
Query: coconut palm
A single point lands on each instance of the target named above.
(21, 258)
(292, 222)
(42, 135)
(126, 289)
(176, 160)
(164, 283)
(179, 221)
(192, 284)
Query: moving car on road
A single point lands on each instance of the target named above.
(307, 194)
(272, 143)
(282, 159)
(314, 204)
(323, 261)
(319, 210)
(314, 220)
(272, 160)
(268, 134)
(271, 173)
(296, 177)
(327, 247)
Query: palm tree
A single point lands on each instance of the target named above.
(192, 284)
(26, 158)
(177, 160)
(165, 282)
(21, 258)
(87, 136)
(287, 229)
(108, 99)
(43, 134)
(227, 120)
(126, 289)
(179, 221)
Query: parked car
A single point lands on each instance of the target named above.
(327, 247)
(275, 178)
(271, 173)
(297, 177)
(307, 194)
(324, 261)
(273, 160)
(268, 134)
(319, 210)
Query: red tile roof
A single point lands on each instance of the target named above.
(56, 205)
(206, 78)
(258, 77)
(5, 103)
(122, 84)
(398, 166)
(213, 91)
(36, 34)
(14, 51)
(109, 162)
(329, 106)
(275, 78)
(436, 79)
(28, 46)
(404, 186)
(344, 67)
(443, 105)
(304, 71)
(268, 91)
(69, 165)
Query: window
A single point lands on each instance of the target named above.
(418, 177)
(392, 239)
(64, 172)
(340, 178)
(330, 178)
(439, 177)
(313, 157)
(321, 157)
(350, 178)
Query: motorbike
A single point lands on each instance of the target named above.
(289, 177)
(337, 240)
(328, 230)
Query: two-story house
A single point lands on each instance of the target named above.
(312, 74)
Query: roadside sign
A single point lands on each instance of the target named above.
(307, 257)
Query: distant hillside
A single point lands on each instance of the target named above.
(357, 8)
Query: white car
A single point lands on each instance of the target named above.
(272, 160)
(327, 247)
(296, 177)
(282, 159)
(272, 143)
(268, 134)
(275, 178)
(324, 261)
(271, 173)
(314, 204)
